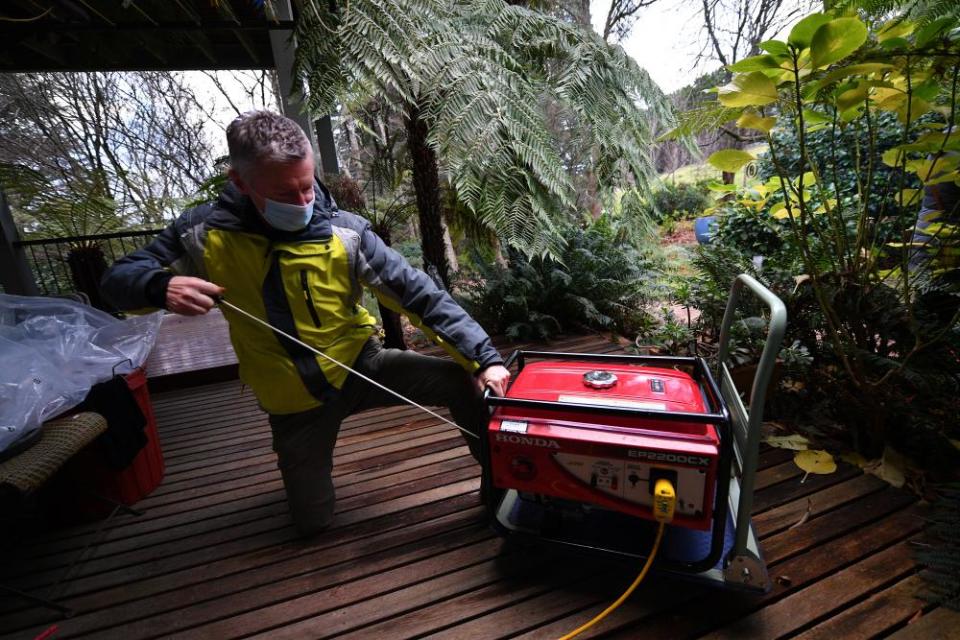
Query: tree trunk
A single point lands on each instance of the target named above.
(87, 265)
(452, 261)
(426, 185)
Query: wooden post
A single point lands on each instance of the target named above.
(319, 132)
(15, 273)
(281, 42)
(327, 146)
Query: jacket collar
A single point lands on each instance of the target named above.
(233, 211)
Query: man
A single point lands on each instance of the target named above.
(275, 244)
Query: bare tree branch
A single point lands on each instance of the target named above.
(622, 16)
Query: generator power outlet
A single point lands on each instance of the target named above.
(657, 473)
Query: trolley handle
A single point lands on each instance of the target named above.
(775, 331)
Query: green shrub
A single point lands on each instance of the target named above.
(601, 283)
(676, 201)
(834, 154)
(753, 232)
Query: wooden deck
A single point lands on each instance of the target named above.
(191, 350)
(410, 554)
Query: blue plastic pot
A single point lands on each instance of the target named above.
(704, 228)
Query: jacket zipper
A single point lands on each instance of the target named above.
(309, 298)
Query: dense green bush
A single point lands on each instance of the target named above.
(677, 201)
(750, 231)
(600, 283)
(834, 154)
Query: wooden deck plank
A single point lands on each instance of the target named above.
(874, 616)
(820, 600)
(409, 554)
(939, 624)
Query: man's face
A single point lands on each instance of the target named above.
(287, 182)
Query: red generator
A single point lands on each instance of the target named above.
(572, 453)
(577, 449)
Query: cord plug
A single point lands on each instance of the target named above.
(664, 500)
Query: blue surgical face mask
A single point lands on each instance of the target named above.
(287, 217)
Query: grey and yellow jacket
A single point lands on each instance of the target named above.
(306, 283)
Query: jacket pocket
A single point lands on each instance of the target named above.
(308, 298)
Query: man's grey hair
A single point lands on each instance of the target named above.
(265, 136)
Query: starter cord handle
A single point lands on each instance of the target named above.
(221, 301)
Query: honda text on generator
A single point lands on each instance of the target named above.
(586, 450)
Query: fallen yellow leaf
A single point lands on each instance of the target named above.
(891, 468)
(794, 442)
(854, 458)
(815, 461)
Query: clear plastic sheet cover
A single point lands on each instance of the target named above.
(53, 350)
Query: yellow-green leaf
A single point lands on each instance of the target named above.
(779, 211)
(775, 47)
(815, 461)
(753, 120)
(929, 169)
(814, 117)
(928, 90)
(730, 160)
(908, 197)
(776, 183)
(802, 33)
(941, 230)
(828, 204)
(862, 69)
(889, 274)
(896, 28)
(747, 90)
(851, 114)
(952, 176)
(760, 189)
(895, 43)
(933, 30)
(892, 157)
(852, 97)
(835, 40)
(807, 179)
(755, 63)
(905, 111)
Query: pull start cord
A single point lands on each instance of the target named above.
(223, 302)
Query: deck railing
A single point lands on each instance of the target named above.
(67, 265)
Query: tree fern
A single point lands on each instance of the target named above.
(482, 71)
(921, 11)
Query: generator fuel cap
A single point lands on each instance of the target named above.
(599, 379)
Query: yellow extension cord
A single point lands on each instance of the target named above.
(664, 502)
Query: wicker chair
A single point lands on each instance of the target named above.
(27, 471)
